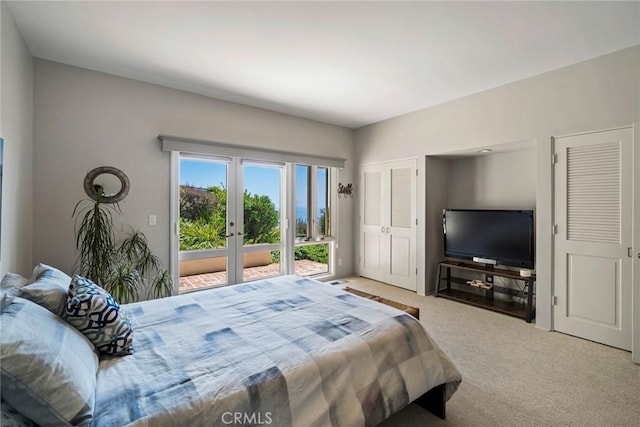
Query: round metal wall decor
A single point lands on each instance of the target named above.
(110, 182)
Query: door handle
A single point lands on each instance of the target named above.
(229, 235)
(382, 230)
(387, 229)
(239, 233)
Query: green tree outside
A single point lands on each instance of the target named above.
(203, 222)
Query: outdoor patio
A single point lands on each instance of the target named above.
(195, 282)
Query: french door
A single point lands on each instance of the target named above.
(230, 220)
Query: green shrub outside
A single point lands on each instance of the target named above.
(318, 253)
(203, 222)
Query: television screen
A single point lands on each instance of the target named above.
(504, 236)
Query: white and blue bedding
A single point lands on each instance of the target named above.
(285, 351)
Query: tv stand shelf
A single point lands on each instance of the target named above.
(525, 311)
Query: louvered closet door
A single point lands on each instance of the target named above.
(593, 217)
(373, 240)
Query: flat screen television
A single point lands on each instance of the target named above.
(504, 237)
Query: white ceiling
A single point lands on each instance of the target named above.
(346, 63)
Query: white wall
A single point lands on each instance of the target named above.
(493, 181)
(16, 127)
(437, 199)
(85, 119)
(596, 94)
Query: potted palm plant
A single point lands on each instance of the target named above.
(123, 268)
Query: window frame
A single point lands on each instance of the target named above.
(314, 237)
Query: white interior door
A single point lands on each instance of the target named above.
(592, 244)
(388, 223)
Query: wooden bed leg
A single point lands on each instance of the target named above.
(435, 401)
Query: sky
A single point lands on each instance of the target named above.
(258, 179)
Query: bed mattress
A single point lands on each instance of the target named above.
(288, 351)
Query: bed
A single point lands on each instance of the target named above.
(284, 351)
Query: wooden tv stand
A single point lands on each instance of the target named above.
(527, 291)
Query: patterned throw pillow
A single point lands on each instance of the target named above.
(95, 313)
(48, 288)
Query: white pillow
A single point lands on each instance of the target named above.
(12, 283)
(47, 287)
(48, 368)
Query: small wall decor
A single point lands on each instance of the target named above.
(345, 190)
(111, 183)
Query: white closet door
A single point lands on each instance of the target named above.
(593, 216)
(388, 223)
(402, 224)
(372, 237)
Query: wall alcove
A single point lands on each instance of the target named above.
(503, 178)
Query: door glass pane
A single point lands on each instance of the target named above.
(203, 218)
(208, 271)
(261, 265)
(262, 219)
(261, 201)
(303, 200)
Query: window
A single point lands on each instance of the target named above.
(323, 220)
(312, 259)
(313, 207)
(313, 235)
(303, 202)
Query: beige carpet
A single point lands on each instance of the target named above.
(517, 375)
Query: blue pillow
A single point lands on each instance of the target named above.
(95, 313)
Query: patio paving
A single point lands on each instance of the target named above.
(303, 267)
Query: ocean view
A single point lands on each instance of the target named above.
(301, 212)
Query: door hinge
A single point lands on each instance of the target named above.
(416, 221)
(416, 271)
(555, 229)
(554, 158)
(554, 301)
(416, 172)
(176, 228)
(630, 252)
